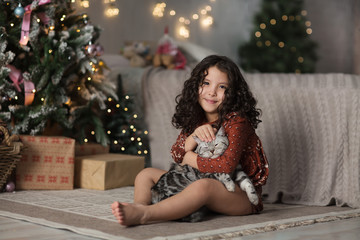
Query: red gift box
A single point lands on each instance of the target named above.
(47, 163)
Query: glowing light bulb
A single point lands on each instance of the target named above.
(207, 21)
(159, 9)
(184, 32)
(111, 10)
(85, 3)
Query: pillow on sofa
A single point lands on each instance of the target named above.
(115, 60)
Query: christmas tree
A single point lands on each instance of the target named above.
(126, 128)
(280, 41)
(51, 74)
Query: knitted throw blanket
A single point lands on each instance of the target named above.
(310, 132)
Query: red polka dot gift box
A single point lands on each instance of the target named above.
(47, 163)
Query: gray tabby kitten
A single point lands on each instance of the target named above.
(215, 149)
(179, 177)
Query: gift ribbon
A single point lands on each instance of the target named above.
(29, 87)
(25, 27)
(15, 76)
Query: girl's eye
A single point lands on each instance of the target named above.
(223, 87)
(206, 83)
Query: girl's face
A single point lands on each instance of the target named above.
(212, 92)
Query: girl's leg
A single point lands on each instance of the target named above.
(204, 192)
(143, 183)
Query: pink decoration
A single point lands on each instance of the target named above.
(16, 76)
(10, 186)
(25, 27)
(29, 87)
(99, 50)
(43, 17)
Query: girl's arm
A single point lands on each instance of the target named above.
(186, 144)
(238, 131)
(190, 158)
(190, 143)
(205, 133)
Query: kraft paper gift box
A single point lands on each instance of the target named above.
(47, 163)
(107, 171)
(90, 149)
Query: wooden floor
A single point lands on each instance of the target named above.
(11, 229)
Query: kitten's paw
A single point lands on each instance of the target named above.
(207, 154)
(253, 197)
(230, 187)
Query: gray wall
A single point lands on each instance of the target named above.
(335, 26)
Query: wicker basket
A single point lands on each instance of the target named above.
(10, 155)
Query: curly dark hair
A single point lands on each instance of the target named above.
(238, 97)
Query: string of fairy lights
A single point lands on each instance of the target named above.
(203, 16)
(110, 7)
(163, 9)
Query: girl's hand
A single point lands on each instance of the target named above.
(205, 133)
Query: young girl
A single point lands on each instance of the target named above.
(215, 94)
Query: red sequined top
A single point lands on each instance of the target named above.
(244, 147)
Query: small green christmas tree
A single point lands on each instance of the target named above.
(126, 129)
(280, 41)
(50, 70)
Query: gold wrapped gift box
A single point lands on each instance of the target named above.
(107, 171)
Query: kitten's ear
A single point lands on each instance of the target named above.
(221, 131)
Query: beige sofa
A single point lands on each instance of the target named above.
(310, 132)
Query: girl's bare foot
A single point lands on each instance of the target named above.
(129, 214)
